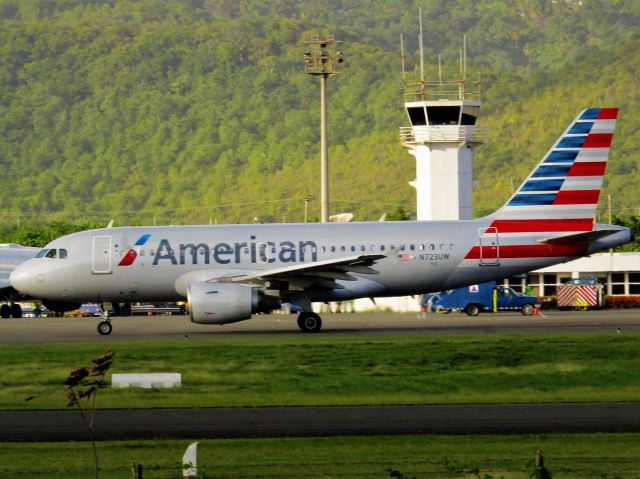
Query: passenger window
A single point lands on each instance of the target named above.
(353, 248)
(412, 247)
(62, 253)
(42, 253)
(333, 249)
(363, 248)
(432, 247)
(324, 250)
(51, 254)
(382, 248)
(343, 249)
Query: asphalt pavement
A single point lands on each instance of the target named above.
(321, 421)
(48, 330)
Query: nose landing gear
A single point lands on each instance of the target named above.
(104, 327)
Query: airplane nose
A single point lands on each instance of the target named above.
(22, 278)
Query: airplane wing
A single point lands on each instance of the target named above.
(317, 274)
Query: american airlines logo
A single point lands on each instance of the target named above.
(251, 251)
(131, 255)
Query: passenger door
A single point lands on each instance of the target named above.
(101, 256)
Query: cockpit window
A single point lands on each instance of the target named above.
(52, 253)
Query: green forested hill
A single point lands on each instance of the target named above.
(181, 111)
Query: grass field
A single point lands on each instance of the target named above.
(566, 456)
(312, 370)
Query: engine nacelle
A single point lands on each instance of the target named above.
(221, 303)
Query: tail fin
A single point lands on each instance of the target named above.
(562, 192)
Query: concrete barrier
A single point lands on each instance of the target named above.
(146, 380)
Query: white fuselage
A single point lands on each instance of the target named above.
(158, 263)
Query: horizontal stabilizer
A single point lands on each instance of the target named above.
(580, 237)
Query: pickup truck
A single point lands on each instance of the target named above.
(485, 297)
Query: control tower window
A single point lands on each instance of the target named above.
(443, 115)
(417, 116)
(469, 115)
(468, 119)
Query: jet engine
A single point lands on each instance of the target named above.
(222, 303)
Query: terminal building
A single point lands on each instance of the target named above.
(618, 272)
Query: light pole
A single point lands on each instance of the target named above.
(322, 59)
(307, 199)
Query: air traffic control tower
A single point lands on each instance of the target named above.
(441, 137)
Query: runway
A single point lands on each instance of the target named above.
(53, 330)
(322, 421)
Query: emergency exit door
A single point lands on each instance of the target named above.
(489, 246)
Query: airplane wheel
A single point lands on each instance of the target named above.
(309, 322)
(16, 311)
(104, 328)
(5, 311)
(472, 310)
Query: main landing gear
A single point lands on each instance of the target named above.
(309, 322)
(11, 311)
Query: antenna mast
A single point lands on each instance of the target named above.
(464, 56)
(421, 52)
(404, 73)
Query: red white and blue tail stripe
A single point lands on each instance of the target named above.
(562, 192)
(549, 215)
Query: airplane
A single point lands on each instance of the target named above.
(229, 272)
(11, 255)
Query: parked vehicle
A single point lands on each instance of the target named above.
(581, 293)
(151, 309)
(484, 297)
(85, 311)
